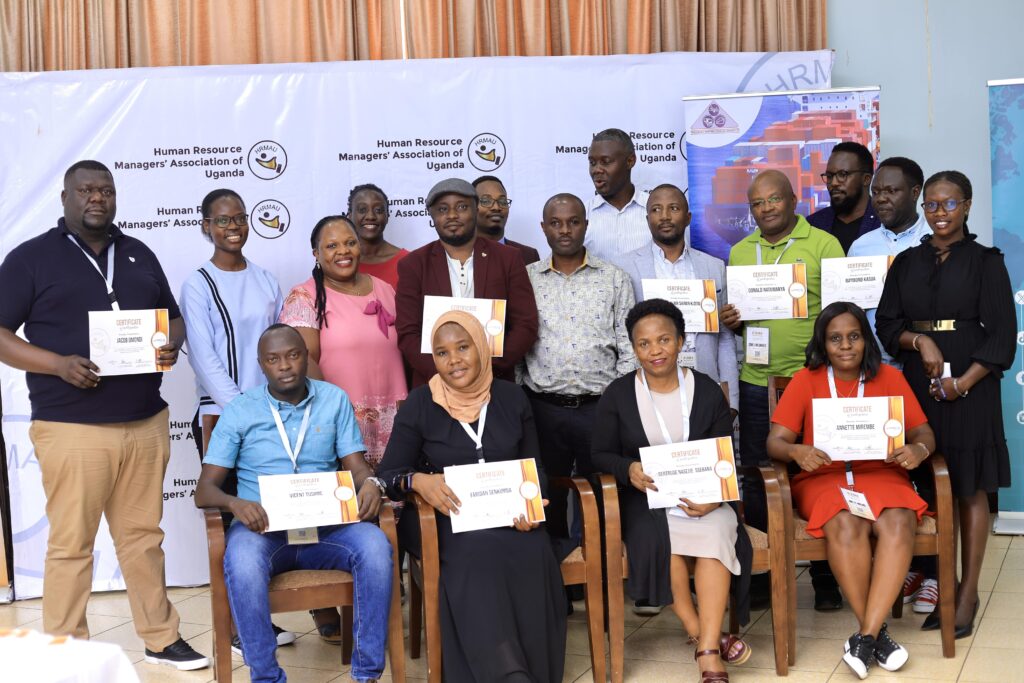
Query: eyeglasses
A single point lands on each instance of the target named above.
(948, 205)
(88, 192)
(841, 176)
(503, 202)
(241, 220)
(759, 204)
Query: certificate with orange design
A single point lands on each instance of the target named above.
(299, 501)
(128, 342)
(495, 493)
(768, 292)
(490, 313)
(858, 280)
(703, 471)
(696, 299)
(858, 428)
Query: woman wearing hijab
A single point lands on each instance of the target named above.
(502, 601)
(660, 404)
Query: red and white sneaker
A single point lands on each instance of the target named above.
(911, 585)
(927, 597)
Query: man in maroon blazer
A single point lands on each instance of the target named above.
(462, 264)
(492, 215)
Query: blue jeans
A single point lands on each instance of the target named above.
(251, 559)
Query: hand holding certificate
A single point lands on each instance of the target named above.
(702, 471)
(696, 299)
(128, 342)
(490, 313)
(297, 501)
(493, 494)
(858, 428)
(768, 292)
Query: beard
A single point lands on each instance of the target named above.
(457, 240)
(847, 204)
(669, 241)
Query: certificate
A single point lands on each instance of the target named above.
(702, 471)
(768, 292)
(858, 428)
(490, 313)
(695, 298)
(857, 280)
(297, 501)
(128, 342)
(495, 493)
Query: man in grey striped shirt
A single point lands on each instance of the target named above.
(618, 211)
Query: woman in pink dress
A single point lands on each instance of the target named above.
(347, 319)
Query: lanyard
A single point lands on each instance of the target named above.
(108, 279)
(293, 455)
(682, 402)
(781, 253)
(835, 394)
(478, 435)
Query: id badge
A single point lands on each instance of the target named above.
(303, 536)
(757, 339)
(688, 359)
(857, 503)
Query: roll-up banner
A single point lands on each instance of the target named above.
(292, 140)
(1006, 128)
(731, 138)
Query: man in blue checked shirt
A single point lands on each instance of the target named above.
(294, 424)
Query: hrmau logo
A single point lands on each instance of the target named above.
(267, 160)
(486, 152)
(270, 219)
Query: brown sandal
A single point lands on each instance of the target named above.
(711, 676)
(735, 650)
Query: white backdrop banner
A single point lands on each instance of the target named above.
(292, 140)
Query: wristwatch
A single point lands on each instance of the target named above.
(378, 483)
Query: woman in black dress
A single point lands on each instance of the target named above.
(947, 314)
(645, 408)
(503, 609)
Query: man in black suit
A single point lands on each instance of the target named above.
(492, 215)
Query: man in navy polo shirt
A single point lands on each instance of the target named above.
(102, 443)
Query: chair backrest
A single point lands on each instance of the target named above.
(776, 385)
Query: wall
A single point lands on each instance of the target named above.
(932, 59)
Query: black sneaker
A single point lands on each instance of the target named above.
(889, 654)
(643, 608)
(283, 638)
(180, 655)
(859, 651)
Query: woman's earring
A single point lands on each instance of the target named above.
(316, 265)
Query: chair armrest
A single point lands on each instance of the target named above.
(612, 529)
(386, 521)
(943, 489)
(429, 554)
(215, 535)
(588, 506)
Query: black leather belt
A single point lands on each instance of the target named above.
(564, 400)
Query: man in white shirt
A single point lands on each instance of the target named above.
(617, 213)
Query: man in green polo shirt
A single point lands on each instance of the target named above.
(781, 237)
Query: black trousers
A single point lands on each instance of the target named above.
(564, 435)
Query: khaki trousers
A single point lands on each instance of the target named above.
(118, 470)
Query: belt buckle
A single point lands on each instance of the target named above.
(571, 401)
(944, 325)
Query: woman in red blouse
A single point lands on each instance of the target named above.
(843, 361)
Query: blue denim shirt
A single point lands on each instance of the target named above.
(246, 436)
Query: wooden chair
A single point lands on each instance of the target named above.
(769, 555)
(934, 537)
(581, 567)
(301, 590)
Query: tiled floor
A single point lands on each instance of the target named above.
(655, 649)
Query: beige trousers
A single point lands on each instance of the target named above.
(118, 470)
